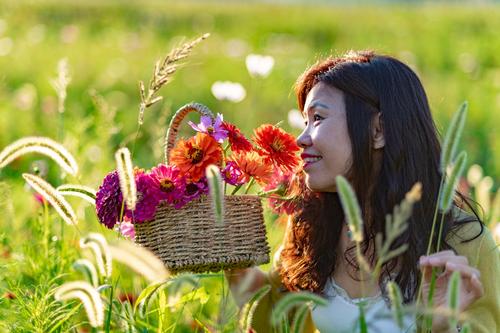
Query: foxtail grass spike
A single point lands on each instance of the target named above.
(97, 243)
(86, 193)
(214, 179)
(285, 304)
(62, 207)
(454, 297)
(126, 175)
(452, 182)
(41, 145)
(87, 295)
(351, 208)
(250, 306)
(452, 137)
(300, 318)
(86, 267)
(139, 260)
(60, 84)
(396, 303)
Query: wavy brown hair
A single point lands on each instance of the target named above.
(370, 84)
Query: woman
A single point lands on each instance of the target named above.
(368, 119)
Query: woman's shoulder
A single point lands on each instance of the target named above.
(470, 237)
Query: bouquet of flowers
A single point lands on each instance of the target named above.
(174, 213)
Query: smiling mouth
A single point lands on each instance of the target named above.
(308, 161)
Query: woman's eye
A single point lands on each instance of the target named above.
(317, 117)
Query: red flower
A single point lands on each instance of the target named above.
(251, 165)
(194, 155)
(277, 147)
(237, 140)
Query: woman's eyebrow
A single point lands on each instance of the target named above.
(315, 104)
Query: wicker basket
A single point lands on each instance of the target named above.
(189, 239)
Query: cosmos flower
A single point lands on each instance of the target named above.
(237, 140)
(253, 165)
(195, 154)
(127, 230)
(277, 147)
(109, 200)
(232, 174)
(168, 182)
(212, 127)
(259, 65)
(228, 91)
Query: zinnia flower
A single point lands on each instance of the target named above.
(253, 165)
(195, 189)
(147, 199)
(109, 200)
(168, 182)
(237, 140)
(280, 186)
(194, 155)
(232, 174)
(277, 146)
(212, 127)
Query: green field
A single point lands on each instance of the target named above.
(110, 46)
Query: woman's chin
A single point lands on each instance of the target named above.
(320, 186)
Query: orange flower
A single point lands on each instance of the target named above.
(253, 165)
(277, 147)
(194, 155)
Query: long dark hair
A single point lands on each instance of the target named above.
(371, 83)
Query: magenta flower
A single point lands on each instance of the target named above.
(109, 199)
(169, 183)
(195, 189)
(147, 199)
(212, 128)
(232, 174)
(127, 230)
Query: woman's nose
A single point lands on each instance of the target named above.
(304, 139)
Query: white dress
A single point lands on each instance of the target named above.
(342, 313)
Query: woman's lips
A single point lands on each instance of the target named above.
(310, 159)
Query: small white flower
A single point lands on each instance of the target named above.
(230, 91)
(295, 119)
(475, 174)
(259, 65)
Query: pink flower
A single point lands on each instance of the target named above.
(127, 230)
(211, 127)
(195, 189)
(147, 199)
(280, 184)
(232, 174)
(169, 184)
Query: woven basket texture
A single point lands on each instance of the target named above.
(189, 239)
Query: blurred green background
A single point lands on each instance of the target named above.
(111, 45)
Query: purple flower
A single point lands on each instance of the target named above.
(147, 199)
(109, 200)
(169, 184)
(213, 128)
(232, 174)
(193, 191)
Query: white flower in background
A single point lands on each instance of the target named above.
(229, 91)
(295, 119)
(475, 174)
(259, 65)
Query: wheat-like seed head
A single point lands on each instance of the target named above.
(87, 295)
(396, 303)
(41, 145)
(84, 192)
(98, 244)
(53, 197)
(452, 181)
(452, 137)
(351, 208)
(139, 260)
(60, 83)
(87, 267)
(126, 175)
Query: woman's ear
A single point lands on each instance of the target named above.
(378, 132)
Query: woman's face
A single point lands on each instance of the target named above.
(325, 140)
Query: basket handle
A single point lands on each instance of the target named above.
(179, 115)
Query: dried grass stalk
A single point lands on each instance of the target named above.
(41, 145)
(53, 197)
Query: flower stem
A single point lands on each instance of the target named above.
(250, 183)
